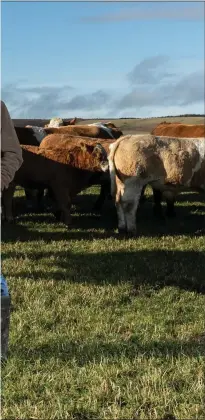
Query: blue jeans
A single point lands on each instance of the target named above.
(4, 287)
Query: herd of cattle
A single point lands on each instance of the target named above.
(66, 159)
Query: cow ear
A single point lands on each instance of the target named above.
(73, 121)
(98, 147)
(100, 151)
(68, 158)
(86, 147)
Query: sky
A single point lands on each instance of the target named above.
(102, 59)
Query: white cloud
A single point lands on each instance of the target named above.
(154, 87)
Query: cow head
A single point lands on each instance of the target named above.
(88, 157)
(101, 156)
(98, 156)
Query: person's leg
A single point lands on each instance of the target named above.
(5, 318)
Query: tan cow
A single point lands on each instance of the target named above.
(65, 172)
(179, 130)
(167, 164)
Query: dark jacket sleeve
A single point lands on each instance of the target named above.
(11, 152)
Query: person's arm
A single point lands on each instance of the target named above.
(11, 152)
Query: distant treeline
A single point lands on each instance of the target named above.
(145, 118)
(42, 122)
(184, 115)
(164, 116)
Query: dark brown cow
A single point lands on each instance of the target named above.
(65, 172)
(34, 135)
(67, 142)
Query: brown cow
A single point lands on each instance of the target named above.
(95, 131)
(65, 141)
(65, 172)
(179, 130)
(34, 135)
(167, 164)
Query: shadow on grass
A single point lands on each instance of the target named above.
(88, 225)
(66, 349)
(145, 269)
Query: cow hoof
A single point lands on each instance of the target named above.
(171, 214)
(41, 209)
(142, 200)
(69, 226)
(200, 232)
(158, 213)
(97, 209)
(122, 233)
(57, 215)
(9, 220)
(132, 234)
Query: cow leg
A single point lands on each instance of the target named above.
(34, 199)
(157, 208)
(49, 200)
(142, 197)
(122, 228)
(40, 199)
(7, 203)
(29, 193)
(62, 198)
(170, 197)
(104, 193)
(170, 211)
(130, 201)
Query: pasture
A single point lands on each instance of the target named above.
(105, 327)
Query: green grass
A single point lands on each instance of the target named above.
(104, 327)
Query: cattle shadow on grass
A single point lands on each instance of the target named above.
(147, 270)
(190, 221)
(84, 353)
(89, 225)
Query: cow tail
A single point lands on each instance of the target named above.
(111, 160)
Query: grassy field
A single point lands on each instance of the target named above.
(104, 327)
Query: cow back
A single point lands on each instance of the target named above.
(65, 141)
(179, 130)
(85, 131)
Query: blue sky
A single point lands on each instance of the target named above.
(92, 59)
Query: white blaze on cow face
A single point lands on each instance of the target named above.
(39, 133)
